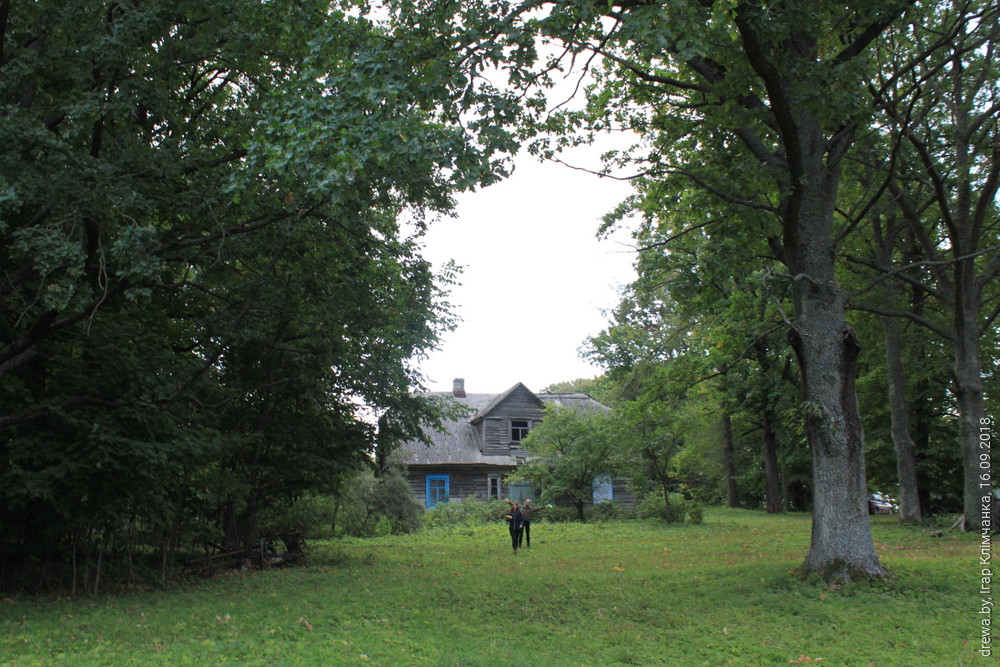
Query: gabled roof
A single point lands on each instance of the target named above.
(498, 399)
(457, 443)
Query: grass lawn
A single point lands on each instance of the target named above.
(621, 593)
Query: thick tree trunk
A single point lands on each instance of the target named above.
(732, 493)
(841, 549)
(906, 464)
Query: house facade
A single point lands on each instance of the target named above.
(472, 456)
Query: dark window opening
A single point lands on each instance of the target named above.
(493, 491)
(518, 429)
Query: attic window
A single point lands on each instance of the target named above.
(518, 430)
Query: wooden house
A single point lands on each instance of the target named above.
(471, 457)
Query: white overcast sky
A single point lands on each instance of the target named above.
(535, 278)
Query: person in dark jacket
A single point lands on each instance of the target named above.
(515, 522)
(528, 512)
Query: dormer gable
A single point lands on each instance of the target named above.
(506, 420)
(518, 394)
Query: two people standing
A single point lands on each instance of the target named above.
(515, 523)
(519, 522)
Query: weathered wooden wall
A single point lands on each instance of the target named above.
(494, 430)
(463, 481)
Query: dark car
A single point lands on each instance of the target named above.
(879, 504)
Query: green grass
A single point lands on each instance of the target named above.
(620, 593)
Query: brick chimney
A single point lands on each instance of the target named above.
(458, 388)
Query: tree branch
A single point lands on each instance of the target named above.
(947, 335)
(869, 34)
(887, 273)
(989, 320)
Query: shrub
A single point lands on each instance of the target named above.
(311, 516)
(470, 511)
(653, 507)
(605, 511)
(374, 506)
(557, 514)
(696, 513)
(678, 508)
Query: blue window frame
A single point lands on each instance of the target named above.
(604, 489)
(437, 489)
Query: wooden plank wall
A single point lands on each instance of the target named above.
(521, 404)
(463, 481)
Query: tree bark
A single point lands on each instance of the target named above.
(841, 549)
(906, 463)
(666, 503)
(968, 384)
(732, 493)
(772, 500)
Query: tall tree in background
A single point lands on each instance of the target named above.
(703, 310)
(944, 107)
(787, 53)
(776, 83)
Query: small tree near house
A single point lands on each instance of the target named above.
(567, 452)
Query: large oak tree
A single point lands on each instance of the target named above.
(779, 84)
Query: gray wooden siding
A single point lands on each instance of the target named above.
(496, 439)
(463, 481)
(520, 404)
(623, 494)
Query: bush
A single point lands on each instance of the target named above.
(605, 511)
(374, 506)
(309, 516)
(470, 511)
(696, 513)
(653, 507)
(557, 514)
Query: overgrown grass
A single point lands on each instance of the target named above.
(616, 593)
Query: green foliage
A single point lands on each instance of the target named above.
(606, 510)
(467, 512)
(557, 514)
(311, 516)
(567, 452)
(653, 506)
(206, 270)
(371, 506)
(610, 593)
(696, 513)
